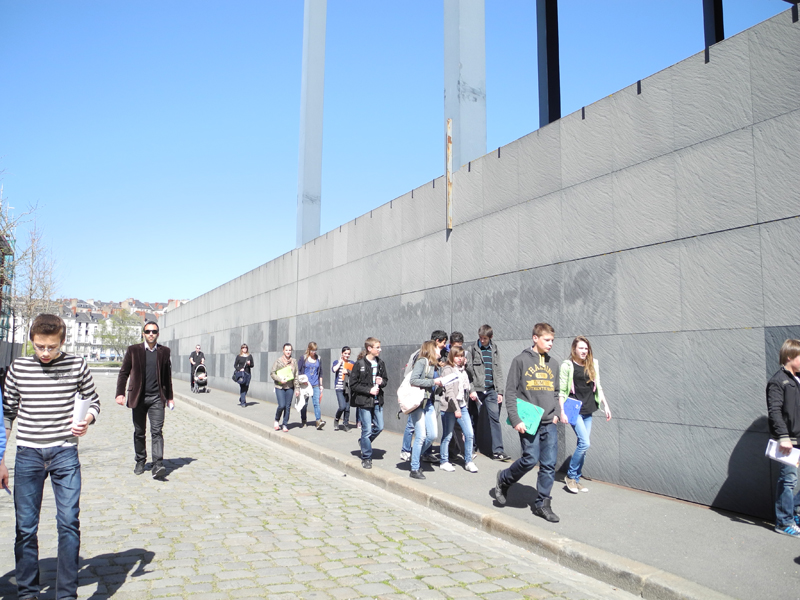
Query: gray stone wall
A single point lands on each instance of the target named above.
(664, 225)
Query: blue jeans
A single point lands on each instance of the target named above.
(284, 398)
(583, 429)
(315, 400)
(243, 393)
(32, 467)
(489, 400)
(344, 407)
(786, 502)
(371, 427)
(541, 448)
(424, 418)
(408, 435)
(448, 425)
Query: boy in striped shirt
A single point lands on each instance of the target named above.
(40, 394)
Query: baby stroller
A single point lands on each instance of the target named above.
(200, 380)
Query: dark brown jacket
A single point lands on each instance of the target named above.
(134, 364)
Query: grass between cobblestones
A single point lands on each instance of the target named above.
(241, 518)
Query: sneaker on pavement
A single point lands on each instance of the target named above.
(416, 474)
(320, 424)
(277, 426)
(139, 468)
(470, 466)
(546, 512)
(501, 456)
(159, 471)
(366, 463)
(405, 456)
(581, 487)
(447, 467)
(500, 490)
(572, 485)
(430, 458)
(789, 529)
(285, 429)
(797, 520)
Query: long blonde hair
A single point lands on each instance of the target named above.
(311, 346)
(428, 351)
(588, 364)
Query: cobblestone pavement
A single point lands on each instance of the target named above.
(239, 517)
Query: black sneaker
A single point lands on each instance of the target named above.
(501, 456)
(139, 468)
(159, 471)
(430, 458)
(366, 463)
(345, 426)
(500, 490)
(546, 512)
(416, 474)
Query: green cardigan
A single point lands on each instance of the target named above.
(566, 385)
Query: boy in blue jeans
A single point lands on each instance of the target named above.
(783, 407)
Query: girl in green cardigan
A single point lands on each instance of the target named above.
(580, 380)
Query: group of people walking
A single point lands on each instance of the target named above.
(457, 383)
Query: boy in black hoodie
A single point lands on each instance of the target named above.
(533, 378)
(783, 407)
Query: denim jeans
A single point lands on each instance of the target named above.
(284, 398)
(315, 400)
(448, 425)
(425, 430)
(371, 427)
(32, 467)
(243, 393)
(492, 407)
(408, 434)
(149, 408)
(541, 448)
(583, 429)
(787, 504)
(344, 407)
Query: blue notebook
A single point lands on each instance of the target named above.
(573, 409)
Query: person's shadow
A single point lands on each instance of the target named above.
(110, 571)
(518, 495)
(171, 465)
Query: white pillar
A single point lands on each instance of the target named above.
(465, 77)
(309, 171)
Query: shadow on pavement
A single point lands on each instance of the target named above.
(109, 571)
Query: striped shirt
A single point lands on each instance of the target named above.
(42, 396)
(486, 354)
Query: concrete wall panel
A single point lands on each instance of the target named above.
(540, 162)
(648, 289)
(777, 154)
(774, 56)
(541, 237)
(584, 284)
(586, 151)
(645, 203)
(468, 192)
(721, 281)
(780, 251)
(501, 178)
(643, 122)
(541, 297)
(501, 248)
(587, 211)
(711, 99)
(715, 183)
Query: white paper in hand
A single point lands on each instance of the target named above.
(793, 458)
(81, 408)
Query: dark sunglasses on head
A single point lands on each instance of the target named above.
(147, 331)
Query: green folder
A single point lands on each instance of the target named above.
(285, 373)
(530, 414)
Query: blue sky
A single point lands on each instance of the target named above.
(160, 139)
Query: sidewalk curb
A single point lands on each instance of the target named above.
(629, 575)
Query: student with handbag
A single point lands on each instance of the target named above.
(579, 379)
(311, 366)
(284, 374)
(367, 380)
(454, 404)
(243, 363)
(341, 377)
(425, 375)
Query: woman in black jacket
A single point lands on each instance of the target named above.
(244, 362)
(367, 380)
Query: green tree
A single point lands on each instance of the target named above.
(119, 331)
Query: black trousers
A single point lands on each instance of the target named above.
(149, 408)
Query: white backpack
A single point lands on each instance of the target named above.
(409, 397)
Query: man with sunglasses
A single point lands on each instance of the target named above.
(150, 370)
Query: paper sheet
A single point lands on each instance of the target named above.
(81, 408)
(793, 458)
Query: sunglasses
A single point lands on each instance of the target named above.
(151, 331)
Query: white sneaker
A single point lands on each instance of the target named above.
(470, 466)
(447, 467)
(405, 456)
